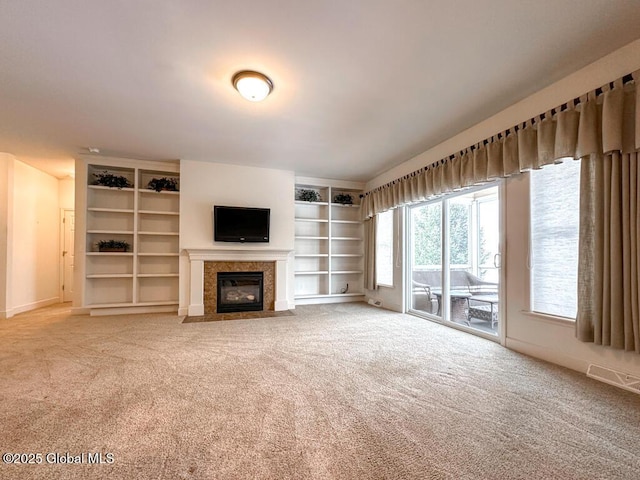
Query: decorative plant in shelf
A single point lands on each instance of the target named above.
(112, 246)
(110, 180)
(164, 183)
(343, 199)
(306, 195)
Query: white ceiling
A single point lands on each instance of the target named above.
(360, 85)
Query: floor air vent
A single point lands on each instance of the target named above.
(619, 379)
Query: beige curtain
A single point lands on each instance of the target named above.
(602, 128)
(608, 283)
(543, 140)
(370, 253)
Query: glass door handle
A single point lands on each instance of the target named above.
(497, 260)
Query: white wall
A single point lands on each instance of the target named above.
(35, 276)
(29, 239)
(542, 337)
(6, 213)
(204, 184)
(66, 193)
(612, 66)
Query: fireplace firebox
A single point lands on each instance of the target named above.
(240, 292)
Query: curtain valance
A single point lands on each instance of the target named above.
(604, 120)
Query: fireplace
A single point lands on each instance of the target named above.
(204, 265)
(240, 292)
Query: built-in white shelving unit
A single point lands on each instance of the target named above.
(146, 275)
(328, 245)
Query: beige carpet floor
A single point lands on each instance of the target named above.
(334, 392)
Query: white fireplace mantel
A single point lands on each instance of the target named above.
(197, 257)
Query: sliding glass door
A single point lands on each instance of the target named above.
(455, 259)
(426, 258)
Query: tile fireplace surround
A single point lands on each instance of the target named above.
(236, 260)
(211, 270)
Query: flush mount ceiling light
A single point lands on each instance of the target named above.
(254, 86)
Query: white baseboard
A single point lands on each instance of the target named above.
(378, 302)
(80, 311)
(393, 307)
(31, 306)
(183, 311)
(99, 312)
(547, 354)
(328, 299)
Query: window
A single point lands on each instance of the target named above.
(555, 206)
(384, 249)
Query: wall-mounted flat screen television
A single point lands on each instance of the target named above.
(240, 224)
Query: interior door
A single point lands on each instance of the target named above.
(68, 255)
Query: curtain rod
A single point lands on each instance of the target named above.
(628, 78)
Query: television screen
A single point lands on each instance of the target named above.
(239, 224)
